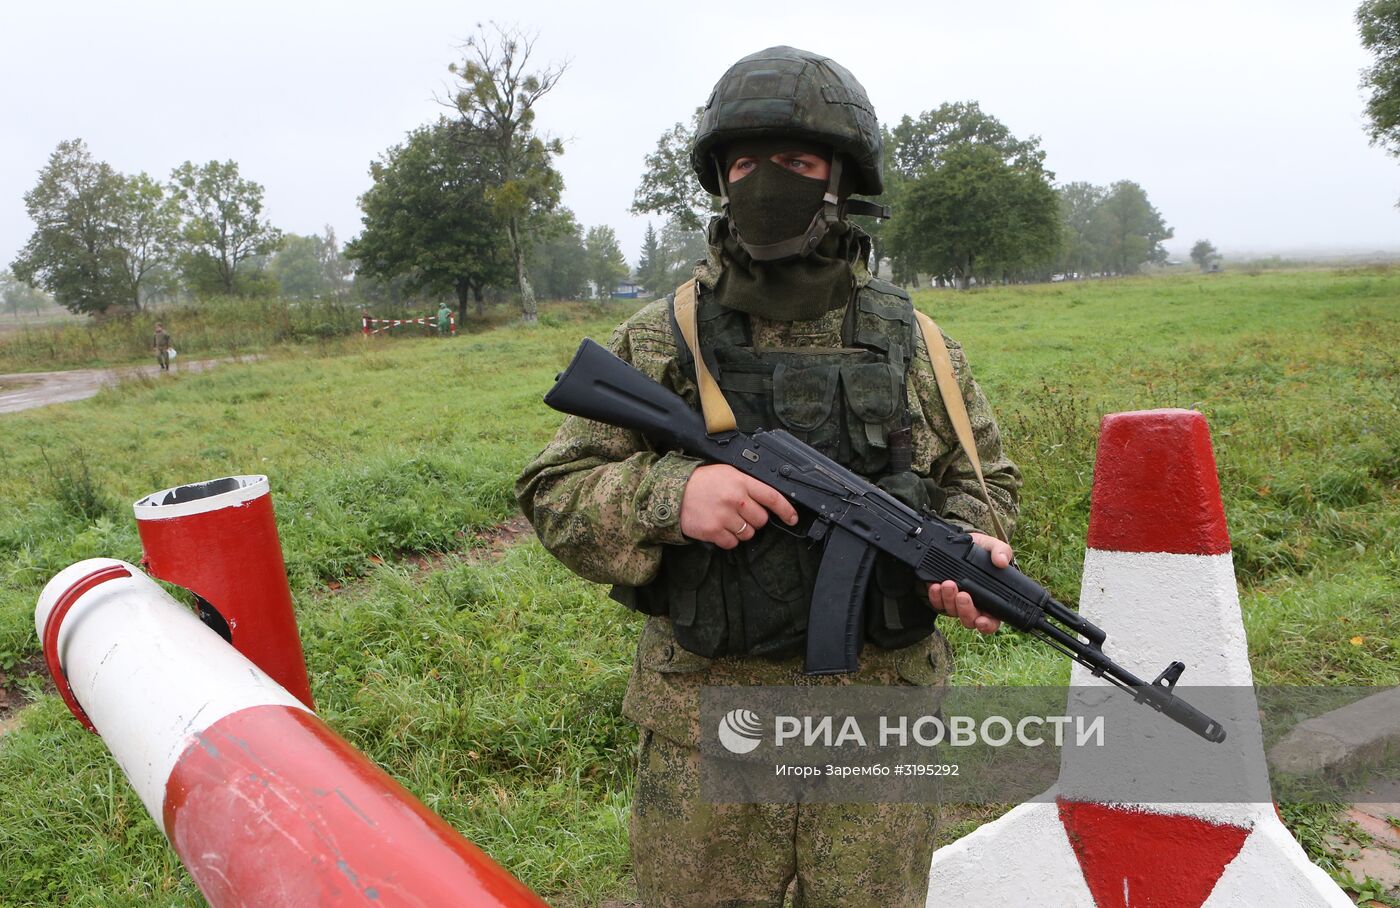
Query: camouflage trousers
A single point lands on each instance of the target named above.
(690, 853)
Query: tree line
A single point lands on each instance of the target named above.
(106, 241)
(971, 201)
(468, 207)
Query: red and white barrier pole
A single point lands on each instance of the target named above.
(263, 802)
(1159, 577)
(218, 539)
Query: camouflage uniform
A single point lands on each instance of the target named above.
(162, 343)
(606, 503)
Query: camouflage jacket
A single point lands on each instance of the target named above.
(604, 502)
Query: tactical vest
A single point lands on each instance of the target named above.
(846, 402)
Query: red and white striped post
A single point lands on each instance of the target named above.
(264, 803)
(1158, 575)
(218, 539)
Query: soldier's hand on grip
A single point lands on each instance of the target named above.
(723, 506)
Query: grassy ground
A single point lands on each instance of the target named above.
(493, 689)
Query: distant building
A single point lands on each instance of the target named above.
(626, 290)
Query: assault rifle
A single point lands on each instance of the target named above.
(855, 519)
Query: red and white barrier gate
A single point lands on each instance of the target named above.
(218, 539)
(263, 802)
(1158, 576)
(370, 326)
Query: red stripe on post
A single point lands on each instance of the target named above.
(1155, 488)
(54, 623)
(1133, 859)
(270, 807)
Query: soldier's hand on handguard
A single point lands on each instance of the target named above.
(945, 597)
(723, 506)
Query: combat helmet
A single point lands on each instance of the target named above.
(784, 92)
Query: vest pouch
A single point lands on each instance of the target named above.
(748, 601)
(803, 401)
(874, 395)
(775, 572)
(692, 586)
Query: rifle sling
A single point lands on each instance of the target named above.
(719, 417)
(957, 409)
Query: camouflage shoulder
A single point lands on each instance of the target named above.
(885, 288)
(652, 319)
(654, 315)
(646, 340)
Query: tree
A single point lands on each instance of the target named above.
(651, 267)
(223, 225)
(669, 186)
(333, 263)
(296, 266)
(147, 226)
(681, 248)
(428, 219)
(917, 147)
(306, 267)
(1204, 254)
(74, 252)
(1080, 253)
(1128, 230)
(1379, 24)
(558, 260)
(976, 214)
(606, 264)
(922, 143)
(495, 102)
(16, 295)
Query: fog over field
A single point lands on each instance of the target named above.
(1242, 120)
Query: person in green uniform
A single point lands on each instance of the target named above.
(799, 336)
(444, 320)
(161, 341)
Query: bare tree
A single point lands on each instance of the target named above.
(495, 99)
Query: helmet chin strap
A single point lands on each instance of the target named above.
(803, 244)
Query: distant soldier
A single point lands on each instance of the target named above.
(444, 321)
(162, 345)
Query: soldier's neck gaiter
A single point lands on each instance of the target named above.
(796, 289)
(769, 205)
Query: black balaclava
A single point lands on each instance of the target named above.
(772, 206)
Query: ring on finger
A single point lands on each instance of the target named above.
(740, 531)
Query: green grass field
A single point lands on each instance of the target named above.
(492, 689)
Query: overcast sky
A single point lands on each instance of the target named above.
(1242, 120)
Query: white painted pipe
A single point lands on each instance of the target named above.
(264, 803)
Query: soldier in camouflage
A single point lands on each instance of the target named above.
(799, 335)
(161, 341)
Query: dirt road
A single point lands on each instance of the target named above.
(23, 390)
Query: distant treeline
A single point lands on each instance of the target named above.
(468, 207)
